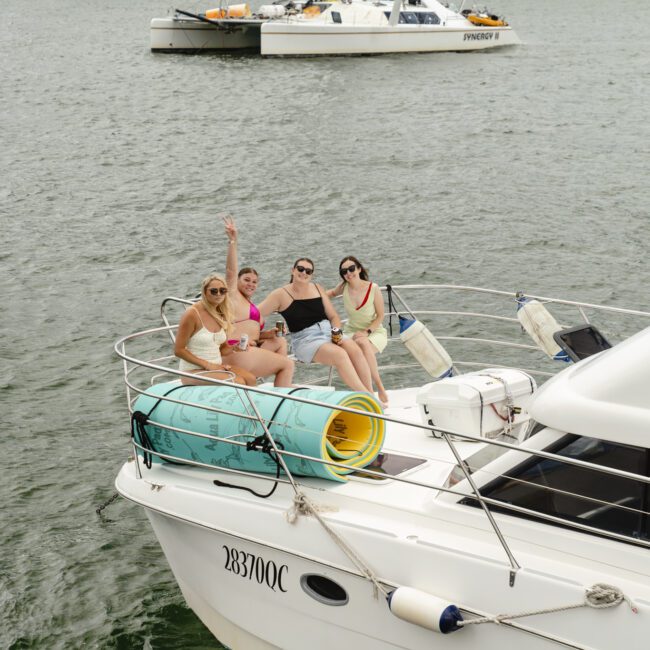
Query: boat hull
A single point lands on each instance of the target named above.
(190, 35)
(241, 567)
(290, 39)
(269, 610)
(282, 38)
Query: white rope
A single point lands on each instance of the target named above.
(303, 506)
(598, 596)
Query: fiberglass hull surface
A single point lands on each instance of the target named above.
(258, 601)
(178, 35)
(281, 38)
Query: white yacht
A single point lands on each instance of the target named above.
(332, 28)
(490, 507)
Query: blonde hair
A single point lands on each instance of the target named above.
(223, 314)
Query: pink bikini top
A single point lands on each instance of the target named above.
(253, 314)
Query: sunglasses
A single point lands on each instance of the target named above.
(304, 269)
(221, 291)
(350, 269)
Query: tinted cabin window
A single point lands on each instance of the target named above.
(611, 503)
(336, 17)
(428, 18)
(408, 17)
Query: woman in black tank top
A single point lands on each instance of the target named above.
(310, 317)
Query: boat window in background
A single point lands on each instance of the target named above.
(336, 17)
(428, 18)
(611, 503)
(408, 17)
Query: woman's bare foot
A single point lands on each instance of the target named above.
(383, 397)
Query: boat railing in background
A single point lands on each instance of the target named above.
(444, 324)
(163, 311)
(460, 327)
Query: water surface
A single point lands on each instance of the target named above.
(525, 168)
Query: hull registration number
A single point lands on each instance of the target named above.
(255, 568)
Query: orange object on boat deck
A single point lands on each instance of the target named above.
(486, 21)
(311, 11)
(233, 11)
(215, 13)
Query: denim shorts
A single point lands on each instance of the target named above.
(305, 343)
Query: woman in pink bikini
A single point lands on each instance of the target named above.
(364, 306)
(267, 352)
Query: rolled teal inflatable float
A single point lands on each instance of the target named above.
(317, 431)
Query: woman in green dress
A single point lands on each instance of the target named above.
(364, 306)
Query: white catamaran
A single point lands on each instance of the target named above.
(328, 28)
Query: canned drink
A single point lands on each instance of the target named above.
(337, 335)
(279, 325)
(243, 342)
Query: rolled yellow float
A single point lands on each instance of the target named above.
(352, 439)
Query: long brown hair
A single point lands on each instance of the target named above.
(223, 314)
(363, 274)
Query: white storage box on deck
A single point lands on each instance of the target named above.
(478, 403)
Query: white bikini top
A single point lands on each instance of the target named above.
(205, 345)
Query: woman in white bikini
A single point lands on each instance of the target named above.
(202, 333)
(267, 353)
(364, 306)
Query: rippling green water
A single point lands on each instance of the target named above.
(522, 168)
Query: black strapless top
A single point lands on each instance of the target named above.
(301, 314)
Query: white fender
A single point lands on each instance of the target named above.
(425, 610)
(426, 349)
(540, 325)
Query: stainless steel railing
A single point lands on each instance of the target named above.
(158, 367)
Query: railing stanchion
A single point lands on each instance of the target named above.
(514, 565)
(136, 459)
(268, 435)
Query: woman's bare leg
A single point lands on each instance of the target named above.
(277, 345)
(370, 351)
(330, 354)
(241, 376)
(263, 363)
(359, 362)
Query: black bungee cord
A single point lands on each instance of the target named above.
(138, 422)
(262, 443)
(391, 308)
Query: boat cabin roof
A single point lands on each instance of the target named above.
(605, 396)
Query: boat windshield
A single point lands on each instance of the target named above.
(576, 494)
